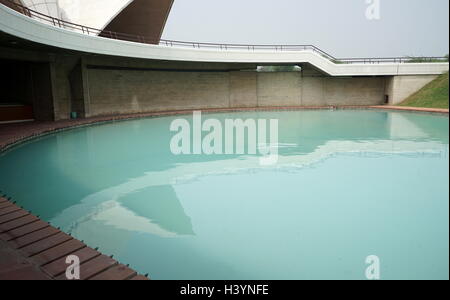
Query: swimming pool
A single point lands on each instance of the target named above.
(347, 185)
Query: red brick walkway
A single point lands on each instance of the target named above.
(31, 249)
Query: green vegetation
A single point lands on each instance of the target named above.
(427, 60)
(433, 95)
(294, 68)
(337, 61)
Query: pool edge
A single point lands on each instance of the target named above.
(39, 129)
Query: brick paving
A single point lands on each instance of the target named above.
(31, 249)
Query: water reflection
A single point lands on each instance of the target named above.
(118, 185)
(146, 201)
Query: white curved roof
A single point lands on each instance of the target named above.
(91, 13)
(47, 7)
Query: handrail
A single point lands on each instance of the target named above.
(199, 45)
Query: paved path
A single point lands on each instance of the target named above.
(31, 249)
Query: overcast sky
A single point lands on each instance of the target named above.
(340, 27)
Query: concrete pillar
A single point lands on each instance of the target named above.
(243, 89)
(79, 87)
(43, 98)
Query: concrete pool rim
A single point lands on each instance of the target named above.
(36, 131)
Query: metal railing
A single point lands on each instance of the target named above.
(198, 45)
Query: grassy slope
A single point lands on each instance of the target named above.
(433, 95)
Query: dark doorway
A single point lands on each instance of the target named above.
(25, 91)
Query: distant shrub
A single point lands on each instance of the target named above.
(293, 68)
(427, 59)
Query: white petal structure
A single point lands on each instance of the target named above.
(137, 17)
(47, 7)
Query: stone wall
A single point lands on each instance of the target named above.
(135, 89)
(116, 91)
(103, 85)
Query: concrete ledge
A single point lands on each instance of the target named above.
(413, 109)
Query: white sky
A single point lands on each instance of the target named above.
(340, 27)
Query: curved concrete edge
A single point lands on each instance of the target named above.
(413, 109)
(18, 25)
(13, 135)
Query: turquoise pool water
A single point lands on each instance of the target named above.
(348, 184)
